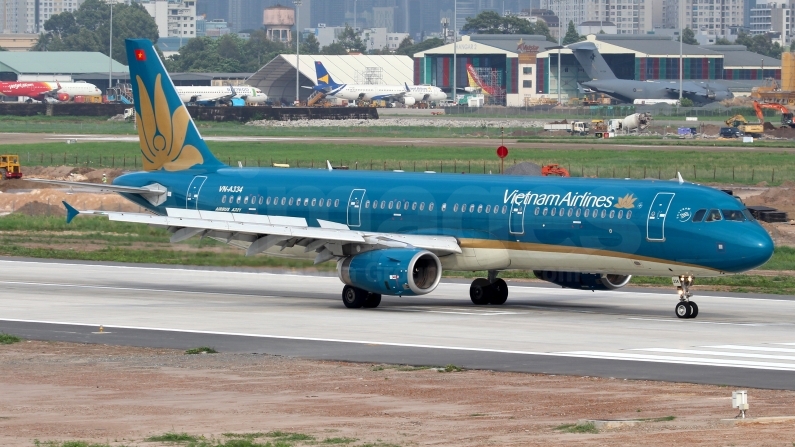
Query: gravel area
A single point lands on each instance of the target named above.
(122, 395)
(406, 122)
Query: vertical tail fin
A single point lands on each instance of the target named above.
(169, 139)
(592, 62)
(323, 78)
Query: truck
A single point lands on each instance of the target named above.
(9, 167)
(575, 127)
(739, 121)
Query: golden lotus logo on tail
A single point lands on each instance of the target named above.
(162, 135)
(627, 202)
(323, 79)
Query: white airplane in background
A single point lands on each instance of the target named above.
(406, 94)
(199, 94)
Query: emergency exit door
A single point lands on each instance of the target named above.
(355, 208)
(192, 197)
(658, 211)
(516, 217)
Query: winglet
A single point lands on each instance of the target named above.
(71, 212)
(328, 163)
(407, 86)
(679, 177)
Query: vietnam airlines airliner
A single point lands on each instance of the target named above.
(394, 233)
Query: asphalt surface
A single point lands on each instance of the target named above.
(33, 138)
(738, 340)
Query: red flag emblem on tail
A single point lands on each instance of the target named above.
(140, 55)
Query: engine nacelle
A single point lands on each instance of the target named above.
(408, 100)
(392, 271)
(587, 281)
(63, 97)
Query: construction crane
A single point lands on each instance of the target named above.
(786, 115)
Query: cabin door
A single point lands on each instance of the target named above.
(516, 217)
(355, 208)
(192, 198)
(655, 223)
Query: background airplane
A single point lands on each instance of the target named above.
(476, 83)
(627, 90)
(202, 94)
(406, 94)
(44, 91)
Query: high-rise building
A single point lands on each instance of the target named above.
(629, 16)
(14, 16)
(771, 18)
(706, 17)
(174, 18)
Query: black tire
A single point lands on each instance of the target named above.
(682, 310)
(353, 297)
(372, 301)
(479, 291)
(499, 292)
(693, 309)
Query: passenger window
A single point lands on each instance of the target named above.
(223, 199)
(391, 204)
(603, 214)
(471, 208)
(496, 209)
(430, 207)
(422, 206)
(245, 200)
(699, 216)
(560, 213)
(306, 201)
(367, 204)
(504, 209)
(238, 200)
(463, 207)
(268, 202)
(538, 210)
(620, 214)
(398, 204)
(328, 203)
(554, 210)
(455, 208)
(544, 212)
(444, 207)
(291, 201)
(587, 212)
(314, 202)
(713, 216)
(336, 203)
(735, 215)
(406, 205)
(383, 204)
(260, 200)
(284, 199)
(629, 214)
(488, 209)
(414, 206)
(579, 211)
(569, 212)
(612, 213)
(480, 209)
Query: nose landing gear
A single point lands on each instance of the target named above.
(488, 291)
(684, 308)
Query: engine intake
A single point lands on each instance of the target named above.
(392, 271)
(408, 100)
(586, 281)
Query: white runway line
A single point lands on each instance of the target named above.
(751, 348)
(681, 360)
(716, 353)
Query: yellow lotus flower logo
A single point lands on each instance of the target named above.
(628, 202)
(161, 134)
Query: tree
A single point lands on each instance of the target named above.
(722, 41)
(572, 36)
(61, 24)
(310, 45)
(410, 50)
(686, 102)
(230, 53)
(334, 48)
(490, 22)
(761, 44)
(351, 41)
(688, 37)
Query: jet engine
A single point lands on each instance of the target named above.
(63, 97)
(392, 271)
(408, 100)
(586, 281)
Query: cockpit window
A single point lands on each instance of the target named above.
(748, 215)
(699, 216)
(713, 216)
(735, 215)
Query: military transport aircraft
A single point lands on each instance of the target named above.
(393, 233)
(627, 90)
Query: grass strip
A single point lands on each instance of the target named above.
(577, 428)
(173, 437)
(8, 339)
(201, 350)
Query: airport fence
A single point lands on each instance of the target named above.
(658, 111)
(662, 169)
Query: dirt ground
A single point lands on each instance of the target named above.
(62, 391)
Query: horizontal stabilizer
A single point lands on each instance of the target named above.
(71, 212)
(94, 187)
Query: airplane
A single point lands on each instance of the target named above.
(394, 233)
(476, 83)
(206, 94)
(627, 90)
(406, 94)
(45, 91)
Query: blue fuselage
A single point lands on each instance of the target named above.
(617, 226)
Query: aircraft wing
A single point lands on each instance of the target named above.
(257, 233)
(391, 97)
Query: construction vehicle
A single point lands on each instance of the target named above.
(9, 167)
(555, 170)
(739, 121)
(575, 127)
(786, 115)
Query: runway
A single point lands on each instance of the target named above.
(33, 138)
(737, 340)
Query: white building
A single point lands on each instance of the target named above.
(772, 18)
(711, 17)
(576, 11)
(629, 16)
(595, 27)
(174, 18)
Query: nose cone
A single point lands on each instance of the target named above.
(757, 248)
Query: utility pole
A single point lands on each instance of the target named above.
(110, 51)
(560, 43)
(297, 51)
(455, 50)
(681, 41)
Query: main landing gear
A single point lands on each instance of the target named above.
(491, 290)
(355, 298)
(685, 308)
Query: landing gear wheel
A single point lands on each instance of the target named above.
(693, 309)
(479, 291)
(353, 297)
(499, 292)
(683, 309)
(373, 300)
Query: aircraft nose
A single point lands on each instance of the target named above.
(757, 249)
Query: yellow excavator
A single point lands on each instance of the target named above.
(739, 121)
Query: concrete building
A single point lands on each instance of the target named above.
(576, 11)
(714, 17)
(18, 42)
(174, 18)
(216, 28)
(595, 27)
(63, 66)
(379, 38)
(629, 16)
(772, 18)
(278, 22)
